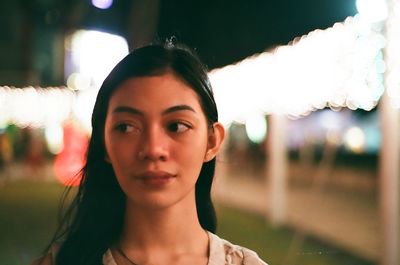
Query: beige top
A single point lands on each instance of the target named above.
(222, 252)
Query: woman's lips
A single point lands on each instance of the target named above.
(156, 178)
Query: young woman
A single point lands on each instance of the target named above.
(145, 194)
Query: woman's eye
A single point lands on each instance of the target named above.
(178, 127)
(125, 128)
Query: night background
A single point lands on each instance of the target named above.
(335, 181)
(222, 32)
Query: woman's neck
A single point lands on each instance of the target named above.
(175, 229)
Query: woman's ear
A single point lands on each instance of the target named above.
(215, 138)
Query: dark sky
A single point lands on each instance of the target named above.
(226, 31)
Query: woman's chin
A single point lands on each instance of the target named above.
(160, 200)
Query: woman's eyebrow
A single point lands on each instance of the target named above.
(126, 109)
(178, 108)
(131, 110)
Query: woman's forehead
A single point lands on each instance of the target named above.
(155, 91)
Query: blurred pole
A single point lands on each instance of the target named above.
(390, 148)
(277, 168)
(389, 184)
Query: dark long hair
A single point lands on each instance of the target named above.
(94, 220)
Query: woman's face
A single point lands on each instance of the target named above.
(156, 139)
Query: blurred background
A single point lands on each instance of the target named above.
(308, 90)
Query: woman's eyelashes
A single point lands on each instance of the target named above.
(178, 127)
(126, 128)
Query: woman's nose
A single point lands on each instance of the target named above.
(154, 146)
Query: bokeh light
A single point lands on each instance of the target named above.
(83, 108)
(256, 128)
(372, 10)
(89, 47)
(341, 66)
(355, 139)
(54, 138)
(102, 4)
(77, 81)
(393, 54)
(35, 106)
(70, 161)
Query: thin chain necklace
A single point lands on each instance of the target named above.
(125, 257)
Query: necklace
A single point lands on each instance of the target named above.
(125, 257)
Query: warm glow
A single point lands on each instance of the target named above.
(393, 54)
(35, 107)
(83, 108)
(71, 159)
(95, 53)
(341, 66)
(355, 140)
(372, 10)
(77, 81)
(54, 138)
(256, 128)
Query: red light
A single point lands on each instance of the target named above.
(72, 158)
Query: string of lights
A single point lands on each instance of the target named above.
(341, 66)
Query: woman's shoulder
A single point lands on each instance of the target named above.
(224, 252)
